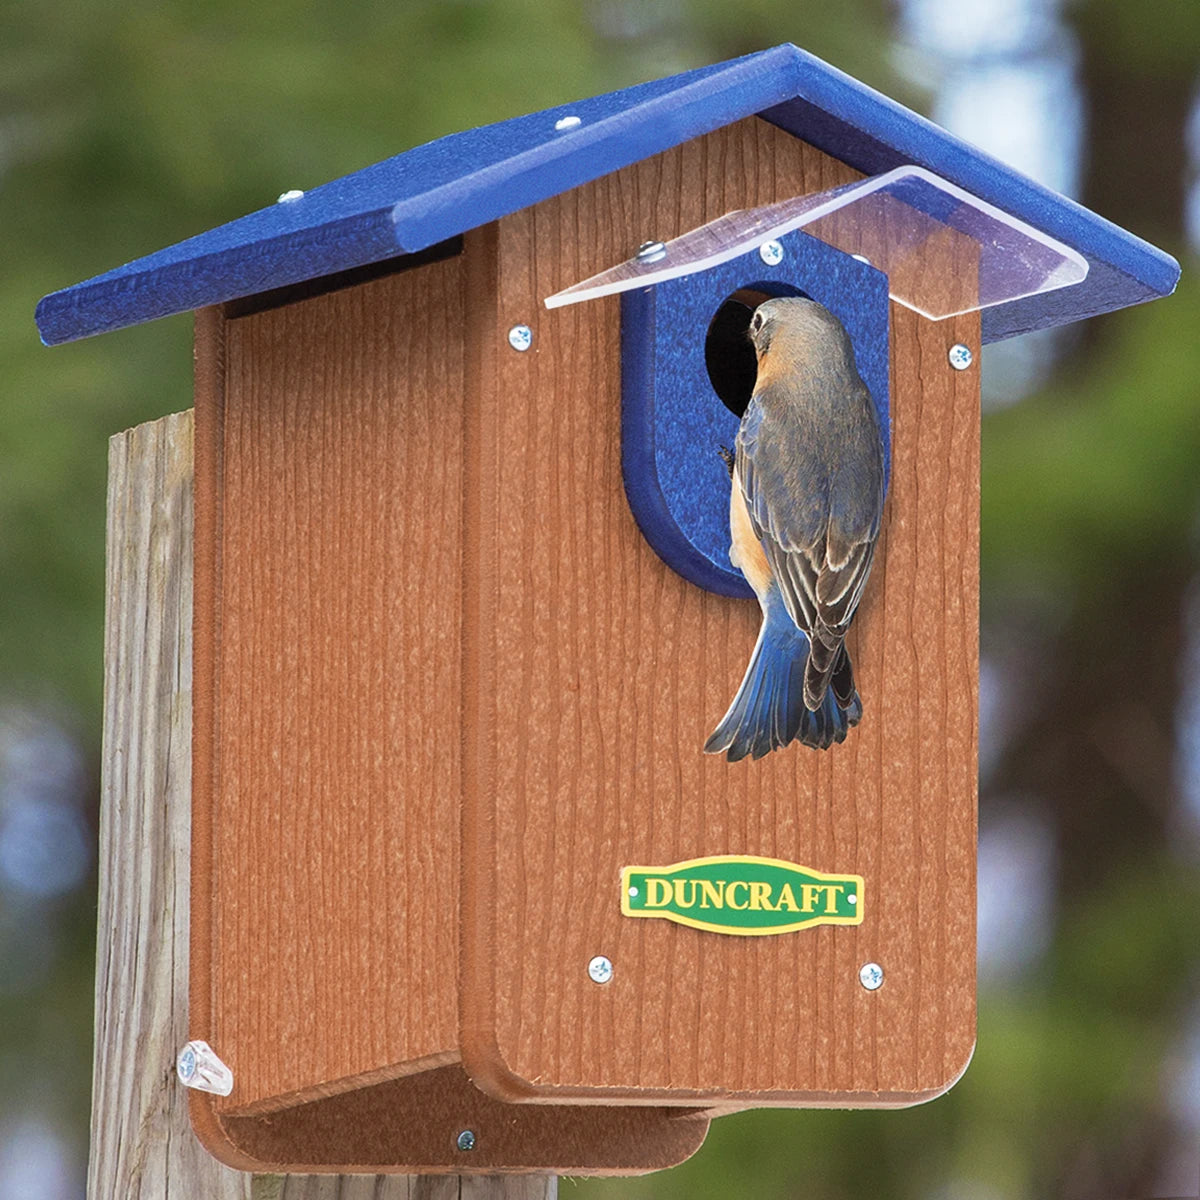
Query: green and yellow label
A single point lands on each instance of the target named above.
(742, 894)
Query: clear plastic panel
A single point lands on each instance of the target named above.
(908, 223)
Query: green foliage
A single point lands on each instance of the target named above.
(1103, 465)
(1154, 37)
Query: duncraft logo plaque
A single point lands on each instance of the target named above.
(742, 895)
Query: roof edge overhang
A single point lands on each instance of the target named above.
(445, 188)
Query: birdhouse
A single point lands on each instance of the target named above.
(465, 614)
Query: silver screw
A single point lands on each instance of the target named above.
(649, 252)
(771, 253)
(862, 258)
(567, 122)
(600, 969)
(520, 337)
(871, 976)
(960, 356)
(465, 1140)
(289, 196)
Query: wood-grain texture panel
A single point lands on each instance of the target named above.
(337, 695)
(416, 1120)
(600, 672)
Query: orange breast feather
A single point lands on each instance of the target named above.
(745, 552)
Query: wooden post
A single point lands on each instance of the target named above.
(142, 1146)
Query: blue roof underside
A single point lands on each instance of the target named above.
(444, 188)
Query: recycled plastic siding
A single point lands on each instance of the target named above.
(594, 674)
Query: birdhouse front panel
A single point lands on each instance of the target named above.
(594, 673)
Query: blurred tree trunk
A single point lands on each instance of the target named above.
(1138, 106)
(1100, 755)
(1138, 79)
(1103, 754)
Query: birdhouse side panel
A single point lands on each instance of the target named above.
(328, 735)
(600, 672)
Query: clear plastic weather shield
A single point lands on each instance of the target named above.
(901, 222)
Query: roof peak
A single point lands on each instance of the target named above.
(443, 188)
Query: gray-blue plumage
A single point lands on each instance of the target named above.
(809, 470)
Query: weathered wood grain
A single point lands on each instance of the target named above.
(599, 673)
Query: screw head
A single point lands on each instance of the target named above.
(649, 252)
(567, 123)
(520, 337)
(870, 975)
(600, 969)
(290, 196)
(185, 1064)
(960, 356)
(465, 1140)
(771, 253)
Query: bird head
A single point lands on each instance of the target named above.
(806, 327)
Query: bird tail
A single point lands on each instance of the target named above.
(769, 710)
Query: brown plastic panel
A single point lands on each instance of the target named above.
(596, 673)
(329, 485)
(412, 1124)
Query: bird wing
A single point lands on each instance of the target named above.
(816, 515)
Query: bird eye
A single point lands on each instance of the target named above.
(756, 322)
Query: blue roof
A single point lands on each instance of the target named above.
(444, 188)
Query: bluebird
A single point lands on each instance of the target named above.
(804, 517)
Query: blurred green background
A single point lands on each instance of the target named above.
(127, 126)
